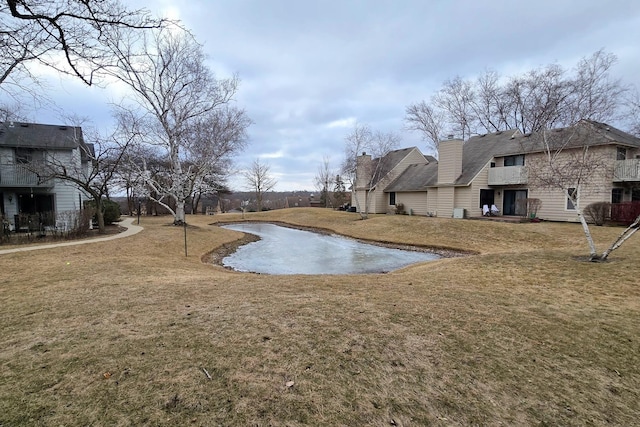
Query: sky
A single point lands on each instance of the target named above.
(311, 69)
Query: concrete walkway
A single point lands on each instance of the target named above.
(126, 223)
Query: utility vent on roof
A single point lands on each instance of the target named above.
(62, 127)
(24, 125)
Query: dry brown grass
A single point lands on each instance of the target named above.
(120, 332)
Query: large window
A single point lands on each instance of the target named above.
(572, 192)
(392, 198)
(514, 160)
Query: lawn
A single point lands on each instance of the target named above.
(132, 332)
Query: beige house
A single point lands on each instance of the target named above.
(492, 169)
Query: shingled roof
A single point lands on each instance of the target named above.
(480, 149)
(417, 177)
(39, 136)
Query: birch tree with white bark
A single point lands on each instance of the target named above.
(181, 111)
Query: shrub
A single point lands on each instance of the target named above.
(111, 210)
(597, 213)
(400, 209)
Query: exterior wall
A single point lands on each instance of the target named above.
(415, 203)
(554, 201)
(481, 182)
(462, 199)
(432, 202)
(67, 197)
(445, 204)
(449, 160)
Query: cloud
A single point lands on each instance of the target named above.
(310, 70)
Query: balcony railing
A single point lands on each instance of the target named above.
(12, 175)
(627, 170)
(508, 175)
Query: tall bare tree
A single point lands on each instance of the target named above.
(542, 98)
(259, 180)
(187, 114)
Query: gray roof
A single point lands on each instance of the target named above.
(391, 160)
(587, 133)
(417, 177)
(34, 135)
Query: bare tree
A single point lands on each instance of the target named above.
(66, 35)
(365, 171)
(633, 116)
(323, 181)
(423, 118)
(186, 113)
(258, 179)
(542, 98)
(100, 160)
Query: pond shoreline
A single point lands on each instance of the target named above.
(218, 254)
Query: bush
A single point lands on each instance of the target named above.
(400, 209)
(111, 210)
(597, 213)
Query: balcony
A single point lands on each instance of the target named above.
(508, 175)
(12, 175)
(626, 170)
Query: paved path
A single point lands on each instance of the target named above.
(131, 229)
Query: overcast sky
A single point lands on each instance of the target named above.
(311, 69)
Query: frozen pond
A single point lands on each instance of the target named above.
(283, 250)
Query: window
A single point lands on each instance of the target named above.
(392, 198)
(572, 192)
(24, 155)
(487, 198)
(621, 153)
(514, 160)
(616, 195)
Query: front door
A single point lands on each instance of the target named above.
(510, 204)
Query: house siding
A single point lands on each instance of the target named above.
(449, 161)
(446, 199)
(56, 143)
(415, 203)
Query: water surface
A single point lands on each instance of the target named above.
(283, 250)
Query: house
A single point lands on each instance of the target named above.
(28, 200)
(493, 169)
(374, 175)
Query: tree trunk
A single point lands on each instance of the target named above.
(593, 254)
(179, 217)
(100, 216)
(628, 232)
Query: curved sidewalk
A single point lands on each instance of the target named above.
(131, 229)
